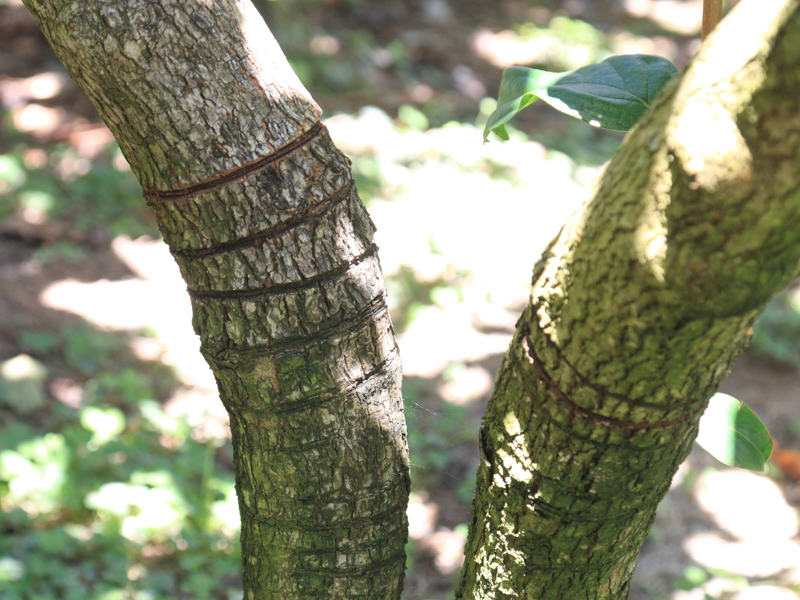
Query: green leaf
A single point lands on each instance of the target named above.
(733, 434)
(612, 94)
(519, 87)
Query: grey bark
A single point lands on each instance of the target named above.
(260, 211)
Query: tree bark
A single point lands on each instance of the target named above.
(260, 211)
(638, 309)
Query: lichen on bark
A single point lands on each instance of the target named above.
(637, 311)
(261, 213)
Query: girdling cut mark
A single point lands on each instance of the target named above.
(579, 411)
(376, 310)
(184, 194)
(265, 292)
(304, 525)
(338, 393)
(312, 213)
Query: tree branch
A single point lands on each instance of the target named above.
(638, 309)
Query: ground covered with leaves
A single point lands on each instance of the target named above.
(116, 478)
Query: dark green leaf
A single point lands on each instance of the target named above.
(733, 434)
(612, 94)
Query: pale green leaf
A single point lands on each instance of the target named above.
(733, 434)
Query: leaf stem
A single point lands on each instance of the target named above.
(712, 14)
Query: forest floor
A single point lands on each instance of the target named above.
(90, 292)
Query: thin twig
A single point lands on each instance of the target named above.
(712, 14)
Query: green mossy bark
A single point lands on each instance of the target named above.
(287, 292)
(638, 309)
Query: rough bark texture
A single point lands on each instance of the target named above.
(260, 211)
(638, 309)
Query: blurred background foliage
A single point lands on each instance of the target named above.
(116, 475)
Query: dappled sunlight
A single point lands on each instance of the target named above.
(751, 558)
(29, 103)
(650, 239)
(448, 213)
(439, 337)
(444, 544)
(466, 384)
(706, 137)
(261, 45)
(422, 516)
(156, 300)
(448, 202)
(447, 547)
(679, 16)
(765, 592)
(38, 120)
(714, 148)
(729, 494)
(569, 43)
(758, 529)
(39, 87)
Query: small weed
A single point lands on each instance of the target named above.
(60, 251)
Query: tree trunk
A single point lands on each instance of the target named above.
(260, 211)
(638, 309)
